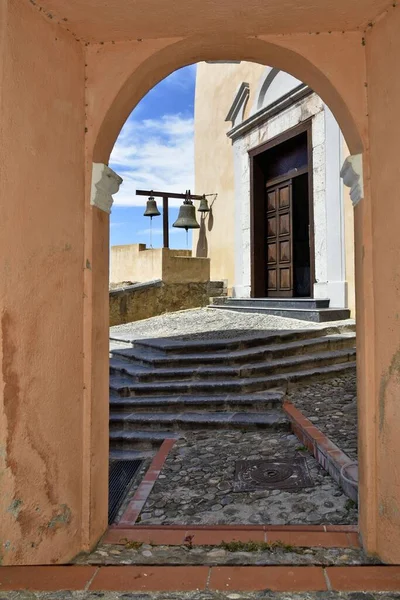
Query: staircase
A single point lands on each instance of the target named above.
(315, 310)
(159, 387)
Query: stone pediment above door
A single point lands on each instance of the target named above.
(236, 111)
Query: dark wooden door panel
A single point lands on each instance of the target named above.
(285, 279)
(285, 252)
(271, 253)
(279, 263)
(284, 224)
(284, 196)
(272, 280)
(271, 227)
(271, 201)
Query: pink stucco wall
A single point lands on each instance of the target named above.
(41, 293)
(63, 101)
(382, 250)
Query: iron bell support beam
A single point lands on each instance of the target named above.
(165, 222)
(168, 195)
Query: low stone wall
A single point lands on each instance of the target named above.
(144, 300)
(136, 262)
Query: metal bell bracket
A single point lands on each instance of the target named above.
(188, 197)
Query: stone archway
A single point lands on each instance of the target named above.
(74, 91)
(342, 92)
(158, 60)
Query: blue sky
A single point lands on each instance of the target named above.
(155, 151)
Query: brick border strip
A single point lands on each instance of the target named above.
(302, 536)
(143, 491)
(329, 456)
(183, 578)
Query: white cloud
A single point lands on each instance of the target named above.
(182, 78)
(154, 154)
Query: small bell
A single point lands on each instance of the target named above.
(204, 205)
(187, 216)
(151, 208)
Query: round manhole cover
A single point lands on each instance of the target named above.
(263, 475)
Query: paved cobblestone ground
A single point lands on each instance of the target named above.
(332, 407)
(146, 554)
(208, 322)
(195, 485)
(264, 595)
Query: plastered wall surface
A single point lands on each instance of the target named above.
(382, 49)
(41, 292)
(216, 85)
(136, 263)
(132, 262)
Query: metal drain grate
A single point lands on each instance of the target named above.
(252, 475)
(121, 475)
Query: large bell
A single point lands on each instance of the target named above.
(204, 205)
(187, 216)
(151, 208)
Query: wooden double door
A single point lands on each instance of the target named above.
(282, 243)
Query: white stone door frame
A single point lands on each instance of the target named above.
(329, 244)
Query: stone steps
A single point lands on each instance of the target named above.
(161, 387)
(124, 422)
(141, 440)
(121, 454)
(267, 352)
(312, 303)
(229, 402)
(123, 386)
(200, 373)
(307, 309)
(254, 339)
(320, 315)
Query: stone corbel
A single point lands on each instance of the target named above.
(352, 175)
(105, 183)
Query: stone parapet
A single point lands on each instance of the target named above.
(145, 300)
(136, 262)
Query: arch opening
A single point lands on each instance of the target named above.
(301, 184)
(190, 51)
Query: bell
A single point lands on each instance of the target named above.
(151, 208)
(187, 216)
(204, 205)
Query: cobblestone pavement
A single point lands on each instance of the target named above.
(207, 322)
(195, 485)
(206, 595)
(332, 407)
(146, 554)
